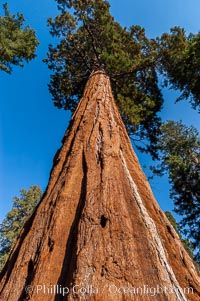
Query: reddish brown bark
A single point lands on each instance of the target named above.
(98, 226)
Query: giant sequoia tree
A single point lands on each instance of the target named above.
(98, 227)
(17, 42)
(90, 39)
(98, 221)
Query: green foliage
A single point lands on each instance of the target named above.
(180, 157)
(174, 223)
(16, 218)
(17, 42)
(186, 242)
(180, 63)
(90, 39)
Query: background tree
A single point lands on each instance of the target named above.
(18, 43)
(179, 58)
(180, 157)
(11, 226)
(186, 242)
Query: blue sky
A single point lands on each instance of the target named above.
(31, 128)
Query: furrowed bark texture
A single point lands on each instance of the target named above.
(98, 233)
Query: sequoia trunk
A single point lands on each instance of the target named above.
(98, 233)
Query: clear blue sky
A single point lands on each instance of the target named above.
(31, 128)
